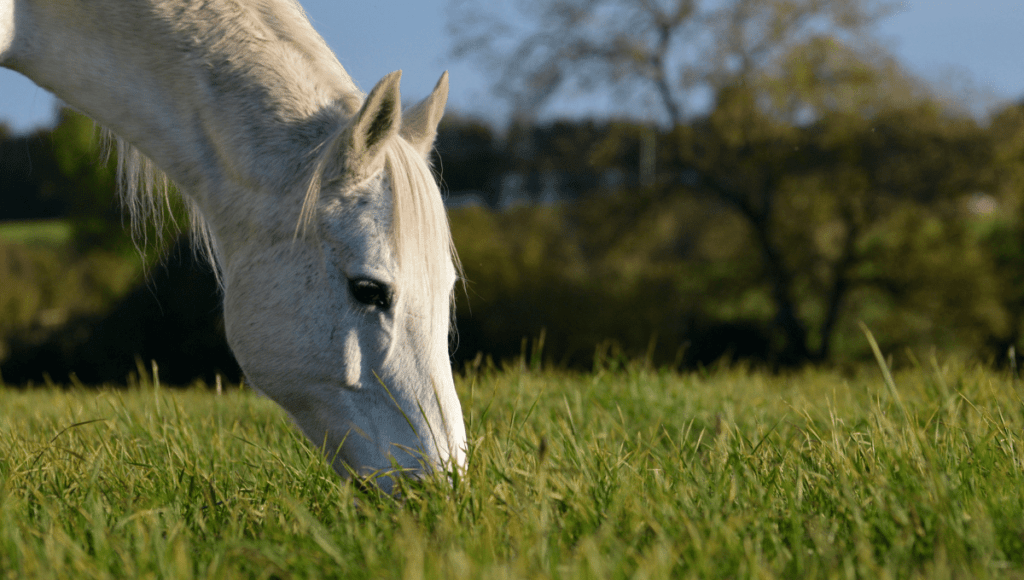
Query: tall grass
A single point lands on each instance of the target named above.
(625, 472)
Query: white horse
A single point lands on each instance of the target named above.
(315, 203)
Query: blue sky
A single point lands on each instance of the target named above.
(958, 42)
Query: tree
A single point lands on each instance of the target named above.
(466, 157)
(1004, 234)
(785, 111)
(665, 55)
(87, 182)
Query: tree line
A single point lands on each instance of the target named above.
(731, 235)
(774, 180)
(813, 183)
(908, 219)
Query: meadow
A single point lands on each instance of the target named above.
(623, 472)
(48, 233)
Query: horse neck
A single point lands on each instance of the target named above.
(221, 95)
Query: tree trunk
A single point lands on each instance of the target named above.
(795, 349)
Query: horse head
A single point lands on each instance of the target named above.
(346, 323)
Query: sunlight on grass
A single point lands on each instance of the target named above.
(48, 233)
(623, 473)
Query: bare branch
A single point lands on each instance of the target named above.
(667, 49)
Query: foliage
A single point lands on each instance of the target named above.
(68, 173)
(57, 274)
(28, 178)
(466, 156)
(63, 173)
(807, 131)
(47, 233)
(55, 271)
(819, 199)
(873, 206)
(1003, 233)
(565, 281)
(616, 270)
(45, 287)
(87, 182)
(96, 316)
(624, 472)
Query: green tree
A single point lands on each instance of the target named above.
(1003, 232)
(466, 155)
(87, 178)
(815, 196)
(87, 181)
(813, 136)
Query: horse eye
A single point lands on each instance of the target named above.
(370, 292)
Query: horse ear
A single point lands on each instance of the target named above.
(376, 122)
(420, 125)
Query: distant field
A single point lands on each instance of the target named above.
(621, 473)
(43, 285)
(37, 232)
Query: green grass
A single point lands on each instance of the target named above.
(43, 287)
(623, 473)
(46, 233)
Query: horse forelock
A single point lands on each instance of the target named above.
(420, 233)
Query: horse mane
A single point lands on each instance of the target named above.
(145, 193)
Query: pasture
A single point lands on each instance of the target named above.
(46, 233)
(625, 472)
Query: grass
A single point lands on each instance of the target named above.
(626, 472)
(45, 233)
(42, 288)
(45, 283)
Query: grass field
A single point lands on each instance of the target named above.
(623, 473)
(49, 233)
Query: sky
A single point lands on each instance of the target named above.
(975, 43)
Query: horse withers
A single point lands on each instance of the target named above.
(315, 203)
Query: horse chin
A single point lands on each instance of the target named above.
(365, 438)
(396, 478)
(383, 480)
(401, 467)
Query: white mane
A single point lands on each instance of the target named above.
(145, 190)
(145, 194)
